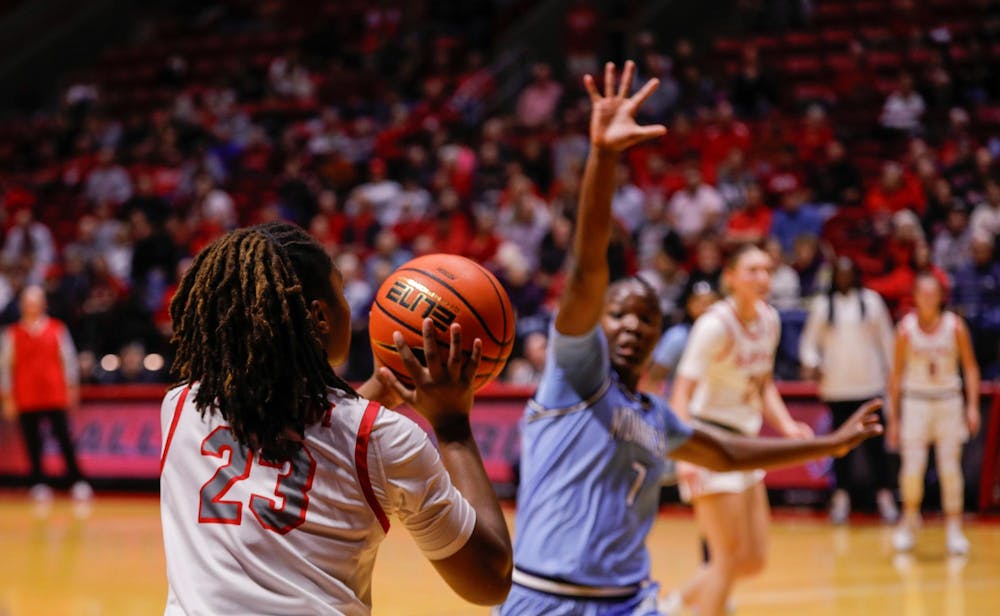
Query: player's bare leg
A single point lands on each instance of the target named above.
(736, 528)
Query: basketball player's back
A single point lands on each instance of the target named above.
(298, 536)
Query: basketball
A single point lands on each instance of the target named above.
(447, 289)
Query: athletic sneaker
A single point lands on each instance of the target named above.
(903, 538)
(840, 507)
(81, 491)
(887, 507)
(40, 493)
(955, 540)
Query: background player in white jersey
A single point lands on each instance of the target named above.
(725, 380)
(276, 477)
(926, 407)
(593, 447)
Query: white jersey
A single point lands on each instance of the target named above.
(730, 362)
(931, 357)
(244, 536)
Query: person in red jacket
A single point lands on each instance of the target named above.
(39, 381)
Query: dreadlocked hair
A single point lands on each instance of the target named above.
(244, 332)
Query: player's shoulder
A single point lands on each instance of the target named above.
(907, 325)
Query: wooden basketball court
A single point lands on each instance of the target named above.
(107, 560)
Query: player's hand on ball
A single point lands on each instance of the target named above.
(444, 388)
(863, 424)
(612, 121)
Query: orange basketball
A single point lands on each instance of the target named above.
(447, 289)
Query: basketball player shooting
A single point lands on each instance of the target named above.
(276, 477)
(593, 447)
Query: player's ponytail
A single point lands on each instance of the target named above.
(244, 332)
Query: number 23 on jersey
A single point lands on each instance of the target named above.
(281, 510)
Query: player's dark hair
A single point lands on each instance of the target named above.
(846, 262)
(244, 332)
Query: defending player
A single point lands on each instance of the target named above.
(926, 407)
(593, 447)
(725, 380)
(276, 477)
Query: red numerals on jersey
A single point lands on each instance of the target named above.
(292, 486)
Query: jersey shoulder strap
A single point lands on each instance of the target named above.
(361, 462)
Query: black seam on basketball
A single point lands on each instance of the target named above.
(501, 295)
(407, 380)
(444, 284)
(391, 347)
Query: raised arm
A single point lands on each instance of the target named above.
(722, 451)
(970, 374)
(612, 129)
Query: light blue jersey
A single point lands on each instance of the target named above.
(591, 462)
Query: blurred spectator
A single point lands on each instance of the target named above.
(669, 281)
(952, 248)
(707, 266)
(697, 208)
(734, 179)
(986, 217)
(669, 349)
(896, 287)
(753, 92)
(289, 78)
(484, 243)
(895, 191)
(785, 294)
(810, 265)
(538, 101)
(214, 204)
(29, 245)
(976, 297)
(753, 221)
(527, 371)
(524, 221)
(795, 218)
(108, 182)
(837, 179)
(627, 202)
(583, 37)
(903, 110)
(380, 193)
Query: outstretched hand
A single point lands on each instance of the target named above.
(444, 388)
(612, 120)
(863, 424)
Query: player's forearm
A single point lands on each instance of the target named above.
(593, 232)
(680, 397)
(776, 411)
(723, 451)
(461, 458)
(972, 379)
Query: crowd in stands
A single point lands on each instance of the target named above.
(375, 129)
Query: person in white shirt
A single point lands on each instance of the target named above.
(697, 207)
(985, 220)
(277, 478)
(926, 407)
(725, 382)
(847, 346)
(904, 108)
